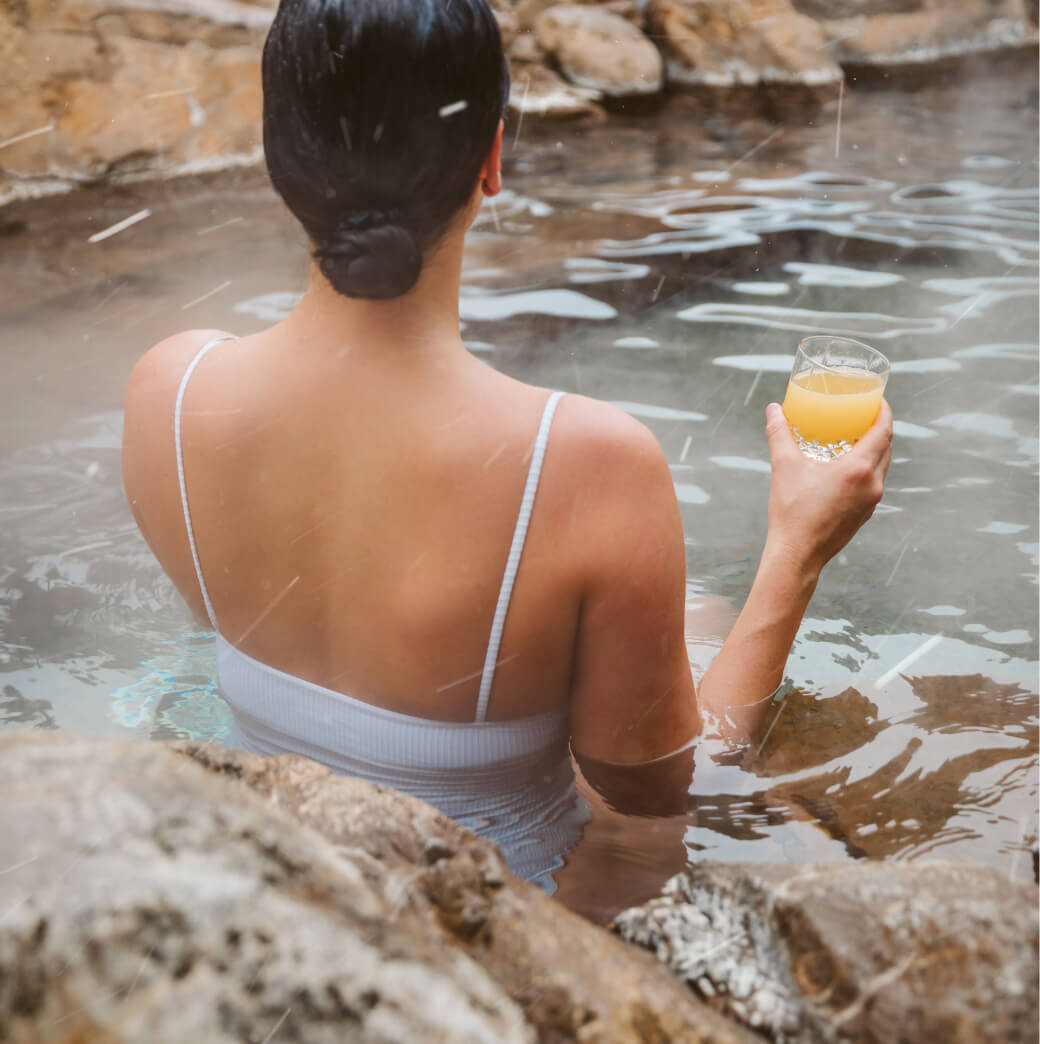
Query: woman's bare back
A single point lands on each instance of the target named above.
(353, 514)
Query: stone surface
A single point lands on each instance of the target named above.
(160, 895)
(908, 952)
(529, 11)
(90, 88)
(568, 976)
(934, 32)
(731, 43)
(538, 91)
(143, 900)
(595, 48)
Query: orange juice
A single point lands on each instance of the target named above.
(833, 406)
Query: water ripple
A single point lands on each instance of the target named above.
(851, 324)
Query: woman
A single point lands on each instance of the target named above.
(346, 496)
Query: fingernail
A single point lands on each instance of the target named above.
(771, 410)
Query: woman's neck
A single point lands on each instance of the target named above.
(420, 325)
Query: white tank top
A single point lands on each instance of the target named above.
(510, 781)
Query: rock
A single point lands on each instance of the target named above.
(568, 977)
(145, 897)
(935, 32)
(90, 88)
(909, 952)
(730, 43)
(597, 49)
(147, 901)
(529, 11)
(538, 91)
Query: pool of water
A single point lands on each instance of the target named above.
(669, 264)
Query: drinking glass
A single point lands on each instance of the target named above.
(834, 394)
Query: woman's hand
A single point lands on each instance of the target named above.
(815, 508)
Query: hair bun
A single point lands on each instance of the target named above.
(373, 255)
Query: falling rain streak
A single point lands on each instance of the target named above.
(120, 226)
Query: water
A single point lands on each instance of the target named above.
(670, 265)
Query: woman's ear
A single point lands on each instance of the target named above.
(491, 182)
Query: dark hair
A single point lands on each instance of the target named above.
(377, 117)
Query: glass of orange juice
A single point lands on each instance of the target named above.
(834, 394)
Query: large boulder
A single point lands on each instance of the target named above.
(145, 901)
(733, 43)
(907, 952)
(155, 895)
(595, 48)
(89, 88)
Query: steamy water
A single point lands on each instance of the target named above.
(668, 264)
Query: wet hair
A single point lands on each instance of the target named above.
(378, 115)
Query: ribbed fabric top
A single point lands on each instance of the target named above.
(510, 781)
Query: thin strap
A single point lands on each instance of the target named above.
(180, 472)
(487, 679)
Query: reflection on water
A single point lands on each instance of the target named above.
(648, 264)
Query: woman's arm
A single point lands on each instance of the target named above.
(815, 509)
(634, 697)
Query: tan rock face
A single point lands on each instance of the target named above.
(935, 31)
(597, 49)
(89, 88)
(527, 12)
(728, 43)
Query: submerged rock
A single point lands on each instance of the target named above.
(595, 48)
(145, 897)
(910, 952)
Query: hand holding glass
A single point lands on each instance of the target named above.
(834, 394)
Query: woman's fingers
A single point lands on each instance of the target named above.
(781, 441)
(878, 440)
(885, 461)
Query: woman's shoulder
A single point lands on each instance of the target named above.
(148, 429)
(615, 449)
(165, 363)
(612, 487)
